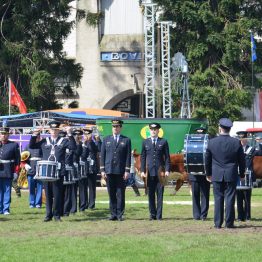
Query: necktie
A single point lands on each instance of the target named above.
(115, 137)
(154, 142)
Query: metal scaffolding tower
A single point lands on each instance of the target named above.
(166, 81)
(149, 22)
(180, 76)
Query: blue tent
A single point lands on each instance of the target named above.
(27, 120)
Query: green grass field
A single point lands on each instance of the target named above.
(89, 236)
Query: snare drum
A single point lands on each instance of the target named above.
(83, 169)
(47, 170)
(195, 146)
(247, 183)
(69, 176)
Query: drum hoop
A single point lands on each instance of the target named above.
(47, 162)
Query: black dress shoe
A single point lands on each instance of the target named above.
(152, 218)
(47, 219)
(203, 218)
(230, 226)
(112, 218)
(217, 227)
(58, 219)
(120, 219)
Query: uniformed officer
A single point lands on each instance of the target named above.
(200, 189)
(90, 154)
(9, 167)
(70, 189)
(54, 146)
(155, 156)
(35, 185)
(244, 195)
(224, 155)
(115, 167)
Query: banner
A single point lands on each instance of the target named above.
(258, 106)
(253, 49)
(16, 100)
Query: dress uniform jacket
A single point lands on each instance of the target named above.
(223, 157)
(90, 152)
(153, 158)
(60, 149)
(35, 155)
(115, 157)
(9, 151)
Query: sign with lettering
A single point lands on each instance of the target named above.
(121, 56)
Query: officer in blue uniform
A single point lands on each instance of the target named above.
(224, 156)
(83, 199)
(90, 154)
(115, 168)
(70, 190)
(200, 189)
(244, 195)
(54, 145)
(35, 186)
(155, 156)
(9, 166)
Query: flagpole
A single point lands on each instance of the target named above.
(9, 95)
(254, 93)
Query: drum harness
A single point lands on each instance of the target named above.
(52, 152)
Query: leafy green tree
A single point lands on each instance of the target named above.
(32, 33)
(215, 38)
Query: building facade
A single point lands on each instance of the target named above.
(112, 55)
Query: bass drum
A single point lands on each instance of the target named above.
(195, 146)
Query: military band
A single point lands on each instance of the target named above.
(76, 153)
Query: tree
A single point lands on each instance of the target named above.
(215, 38)
(31, 49)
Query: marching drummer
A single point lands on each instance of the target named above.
(154, 155)
(90, 154)
(77, 133)
(244, 195)
(9, 167)
(200, 189)
(69, 185)
(54, 149)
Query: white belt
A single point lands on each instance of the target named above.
(35, 158)
(6, 161)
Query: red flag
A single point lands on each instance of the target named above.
(16, 100)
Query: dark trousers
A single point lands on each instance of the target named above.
(200, 198)
(70, 199)
(82, 185)
(91, 188)
(155, 189)
(224, 191)
(116, 192)
(244, 204)
(53, 192)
